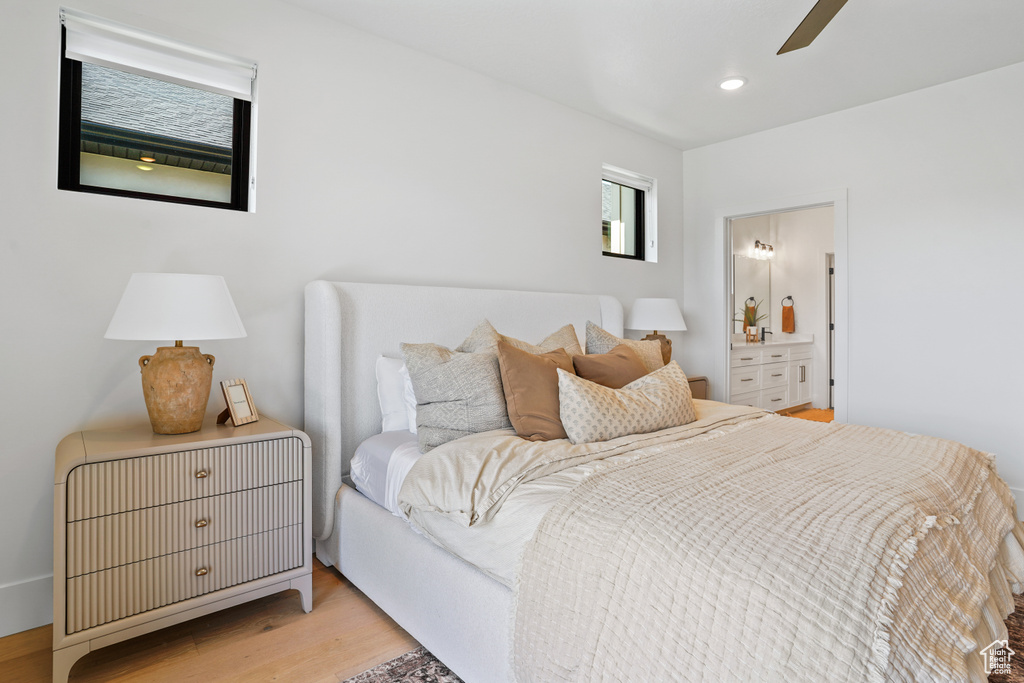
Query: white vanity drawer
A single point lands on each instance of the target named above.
(752, 399)
(745, 356)
(802, 352)
(775, 354)
(775, 375)
(745, 379)
(775, 399)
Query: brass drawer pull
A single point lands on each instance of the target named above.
(776, 399)
(202, 571)
(747, 379)
(776, 355)
(746, 359)
(778, 374)
(201, 523)
(202, 474)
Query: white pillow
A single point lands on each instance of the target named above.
(396, 397)
(410, 397)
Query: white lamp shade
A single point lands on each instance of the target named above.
(655, 314)
(173, 306)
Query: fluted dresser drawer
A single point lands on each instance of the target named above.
(113, 540)
(105, 488)
(102, 597)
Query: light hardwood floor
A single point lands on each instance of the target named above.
(270, 639)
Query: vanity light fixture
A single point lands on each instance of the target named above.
(762, 251)
(733, 83)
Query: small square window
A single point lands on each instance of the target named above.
(628, 213)
(131, 131)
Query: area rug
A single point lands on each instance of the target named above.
(419, 666)
(1015, 625)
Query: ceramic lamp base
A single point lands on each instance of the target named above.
(666, 345)
(176, 383)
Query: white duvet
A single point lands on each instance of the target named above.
(740, 546)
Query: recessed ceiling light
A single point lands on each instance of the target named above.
(732, 83)
(147, 159)
(143, 167)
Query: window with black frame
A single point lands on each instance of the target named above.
(622, 220)
(145, 116)
(628, 211)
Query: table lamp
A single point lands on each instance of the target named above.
(171, 306)
(657, 314)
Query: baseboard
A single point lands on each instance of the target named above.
(26, 604)
(1018, 495)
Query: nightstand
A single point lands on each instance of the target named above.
(698, 387)
(151, 530)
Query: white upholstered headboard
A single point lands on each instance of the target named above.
(349, 324)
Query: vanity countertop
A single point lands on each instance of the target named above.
(739, 340)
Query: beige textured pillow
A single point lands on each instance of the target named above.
(531, 390)
(456, 393)
(602, 341)
(484, 339)
(591, 412)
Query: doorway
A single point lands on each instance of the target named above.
(822, 304)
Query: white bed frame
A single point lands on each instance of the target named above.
(461, 615)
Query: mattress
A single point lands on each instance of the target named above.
(380, 464)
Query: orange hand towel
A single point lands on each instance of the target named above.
(788, 321)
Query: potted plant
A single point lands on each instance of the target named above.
(750, 317)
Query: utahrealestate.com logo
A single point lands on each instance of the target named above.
(997, 657)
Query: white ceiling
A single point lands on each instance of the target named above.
(654, 65)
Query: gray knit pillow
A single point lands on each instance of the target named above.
(484, 339)
(457, 394)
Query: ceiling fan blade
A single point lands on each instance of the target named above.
(813, 24)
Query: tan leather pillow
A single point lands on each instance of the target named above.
(614, 369)
(531, 390)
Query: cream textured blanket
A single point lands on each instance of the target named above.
(775, 550)
(742, 546)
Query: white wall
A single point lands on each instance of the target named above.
(801, 240)
(376, 163)
(935, 228)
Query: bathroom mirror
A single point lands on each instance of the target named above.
(751, 278)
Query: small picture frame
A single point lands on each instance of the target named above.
(240, 408)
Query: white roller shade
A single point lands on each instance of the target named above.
(107, 43)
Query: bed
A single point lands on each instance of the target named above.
(467, 614)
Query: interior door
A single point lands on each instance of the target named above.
(831, 261)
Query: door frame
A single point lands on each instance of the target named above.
(723, 232)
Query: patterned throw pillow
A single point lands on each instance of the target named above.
(591, 412)
(602, 341)
(484, 339)
(457, 394)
